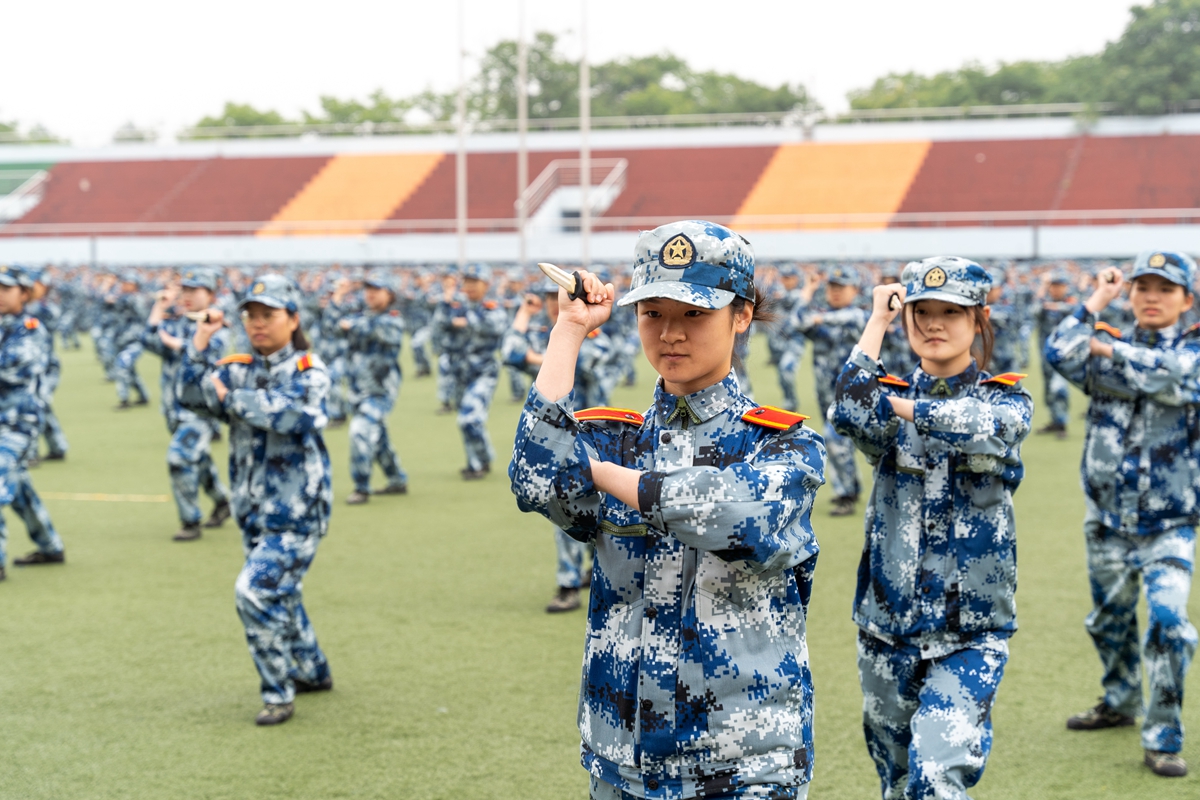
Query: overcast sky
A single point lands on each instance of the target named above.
(83, 68)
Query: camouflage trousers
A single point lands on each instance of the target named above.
(449, 386)
(190, 464)
(759, 791)
(473, 417)
(335, 403)
(369, 443)
(16, 489)
(1117, 563)
(518, 384)
(570, 555)
(788, 365)
(1057, 395)
(105, 351)
(268, 595)
(928, 722)
(56, 440)
(419, 343)
(126, 374)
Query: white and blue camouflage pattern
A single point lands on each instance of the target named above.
(696, 679)
(695, 262)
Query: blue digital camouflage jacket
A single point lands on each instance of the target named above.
(473, 347)
(1140, 450)
(279, 472)
(696, 677)
(939, 564)
(24, 356)
(373, 358)
(833, 333)
(594, 355)
(172, 361)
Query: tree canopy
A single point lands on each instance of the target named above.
(1153, 68)
(648, 85)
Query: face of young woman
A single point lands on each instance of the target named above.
(377, 299)
(269, 329)
(840, 295)
(12, 299)
(1157, 302)
(941, 334)
(194, 298)
(690, 347)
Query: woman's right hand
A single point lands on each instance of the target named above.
(588, 316)
(206, 328)
(882, 302)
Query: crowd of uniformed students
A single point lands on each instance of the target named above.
(279, 357)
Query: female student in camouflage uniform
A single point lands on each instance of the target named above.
(695, 678)
(274, 402)
(934, 603)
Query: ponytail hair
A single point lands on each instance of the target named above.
(764, 312)
(299, 340)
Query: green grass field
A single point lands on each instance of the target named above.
(125, 673)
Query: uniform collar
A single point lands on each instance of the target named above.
(279, 356)
(945, 387)
(697, 407)
(1154, 338)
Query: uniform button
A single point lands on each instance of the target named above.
(647, 705)
(652, 784)
(666, 438)
(925, 589)
(651, 613)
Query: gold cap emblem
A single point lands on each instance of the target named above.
(259, 288)
(1157, 260)
(935, 277)
(678, 252)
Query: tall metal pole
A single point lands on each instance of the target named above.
(522, 129)
(585, 150)
(460, 163)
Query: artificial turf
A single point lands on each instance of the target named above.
(125, 673)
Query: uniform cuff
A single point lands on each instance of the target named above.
(649, 491)
(860, 359)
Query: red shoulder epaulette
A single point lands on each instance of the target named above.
(594, 334)
(31, 323)
(610, 414)
(1008, 378)
(1109, 329)
(236, 358)
(490, 305)
(771, 417)
(395, 312)
(304, 363)
(1194, 329)
(892, 380)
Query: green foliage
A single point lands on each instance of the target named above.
(243, 115)
(1154, 67)
(379, 109)
(10, 133)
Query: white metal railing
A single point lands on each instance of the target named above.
(502, 225)
(798, 118)
(19, 201)
(569, 172)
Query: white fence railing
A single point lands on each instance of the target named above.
(773, 222)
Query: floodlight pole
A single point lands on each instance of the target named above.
(460, 163)
(585, 150)
(522, 130)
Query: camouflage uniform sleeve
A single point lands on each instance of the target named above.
(24, 356)
(513, 348)
(551, 469)
(298, 407)
(193, 390)
(1170, 376)
(492, 322)
(1068, 348)
(754, 514)
(388, 329)
(974, 426)
(861, 411)
(151, 342)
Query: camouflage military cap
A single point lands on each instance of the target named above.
(844, 275)
(479, 272)
(13, 275)
(1176, 267)
(381, 279)
(1060, 276)
(788, 271)
(949, 278)
(695, 262)
(129, 276)
(548, 287)
(198, 278)
(276, 291)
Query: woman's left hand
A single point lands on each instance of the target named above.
(222, 389)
